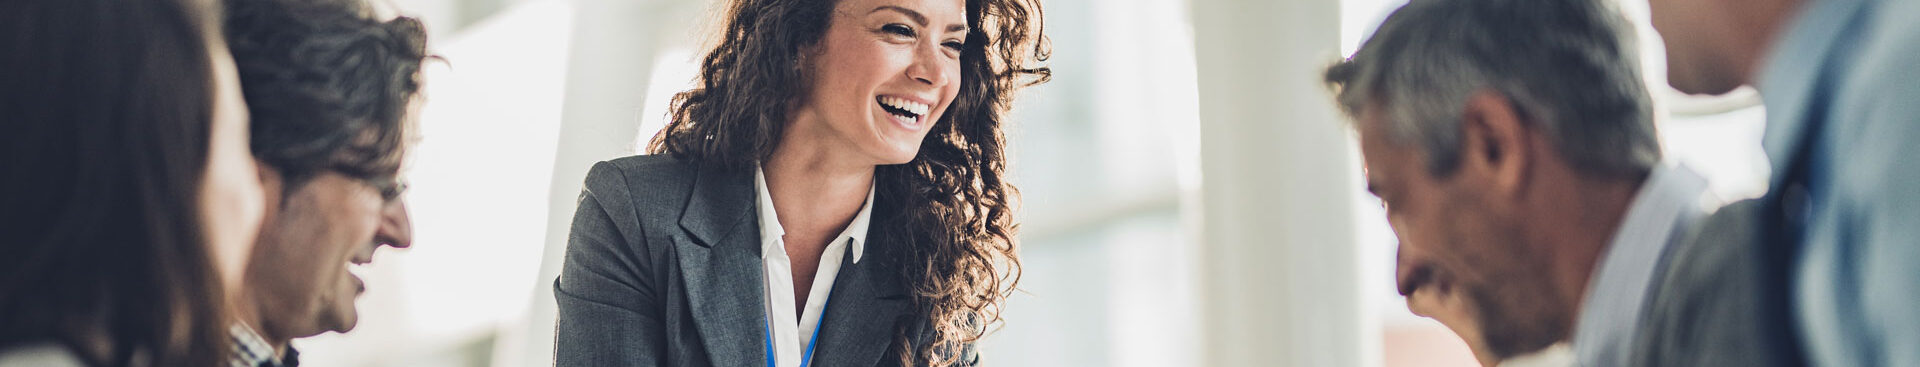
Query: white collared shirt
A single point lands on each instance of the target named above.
(1556, 355)
(1672, 198)
(793, 333)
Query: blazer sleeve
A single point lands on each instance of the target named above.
(609, 305)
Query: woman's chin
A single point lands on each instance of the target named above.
(898, 159)
(891, 154)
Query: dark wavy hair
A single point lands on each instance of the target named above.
(960, 260)
(327, 83)
(107, 108)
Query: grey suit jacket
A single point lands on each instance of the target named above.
(1719, 298)
(663, 268)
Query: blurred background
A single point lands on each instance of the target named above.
(1191, 197)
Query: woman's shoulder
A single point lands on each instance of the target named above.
(643, 183)
(641, 173)
(647, 164)
(39, 355)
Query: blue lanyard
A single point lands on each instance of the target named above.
(807, 358)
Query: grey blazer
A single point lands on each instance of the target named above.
(1719, 299)
(663, 268)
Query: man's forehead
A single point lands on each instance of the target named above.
(1373, 129)
(1383, 154)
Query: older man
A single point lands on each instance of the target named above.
(330, 89)
(1839, 229)
(1513, 146)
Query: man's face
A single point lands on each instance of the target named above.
(1462, 259)
(1696, 35)
(298, 277)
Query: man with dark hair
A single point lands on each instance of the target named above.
(330, 88)
(1513, 145)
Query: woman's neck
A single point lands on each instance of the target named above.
(815, 188)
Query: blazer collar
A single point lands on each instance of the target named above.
(859, 323)
(722, 199)
(720, 264)
(869, 298)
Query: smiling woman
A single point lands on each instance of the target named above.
(847, 150)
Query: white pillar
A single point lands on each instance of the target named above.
(614, 46)
(1279, 265)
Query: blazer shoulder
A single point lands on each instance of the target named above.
(653, 186)
(641, 174)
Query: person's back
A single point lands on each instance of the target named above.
(1714, 302)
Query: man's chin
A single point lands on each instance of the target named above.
(341, 321)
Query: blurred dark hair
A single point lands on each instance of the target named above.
(328, 85)
(952, 197)
(108, 107)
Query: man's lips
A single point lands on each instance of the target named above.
(353, 273)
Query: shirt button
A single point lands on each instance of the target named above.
(1794, 204)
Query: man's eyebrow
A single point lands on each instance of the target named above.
(917, 17)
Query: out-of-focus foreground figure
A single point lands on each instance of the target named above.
(129, 199)
(1827, 266)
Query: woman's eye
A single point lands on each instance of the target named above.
(898, 29)
(955, 45)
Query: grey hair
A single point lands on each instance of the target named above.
(1568, 66)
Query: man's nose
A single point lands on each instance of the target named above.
(396, 225)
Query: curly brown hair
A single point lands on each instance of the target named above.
(960, 261)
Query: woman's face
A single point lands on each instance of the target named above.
(230, 197)
(882, 74)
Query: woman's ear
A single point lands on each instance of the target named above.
(1495, 143)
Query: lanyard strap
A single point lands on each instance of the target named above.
(805, 359)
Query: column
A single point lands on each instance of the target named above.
(1278, 262)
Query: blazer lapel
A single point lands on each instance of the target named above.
(720, 264)
(868, 299)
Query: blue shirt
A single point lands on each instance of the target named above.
(1843, 96)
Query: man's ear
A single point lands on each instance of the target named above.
(1495, 142)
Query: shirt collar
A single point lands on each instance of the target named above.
(770, 229)
(251, 350)
(1671, 198)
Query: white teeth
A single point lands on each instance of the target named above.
(904, 104)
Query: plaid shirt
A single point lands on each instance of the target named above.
(249, 350)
